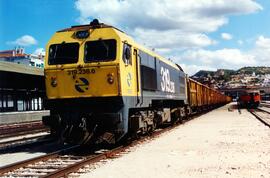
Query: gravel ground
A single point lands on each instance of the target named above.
(221, 143)
(10, 158)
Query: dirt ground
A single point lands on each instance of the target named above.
(221, 143)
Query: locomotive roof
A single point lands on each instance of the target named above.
(88, 27)
(96, 25)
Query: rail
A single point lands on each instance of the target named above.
(9, 170)
(262, 115)
(18, 129)
(9, 145)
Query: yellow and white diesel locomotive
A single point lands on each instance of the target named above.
(102, 85)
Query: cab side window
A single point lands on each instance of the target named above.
(127, 54)
(148, 71)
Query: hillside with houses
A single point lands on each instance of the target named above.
(243, 77)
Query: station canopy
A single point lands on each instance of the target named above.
(19, 76)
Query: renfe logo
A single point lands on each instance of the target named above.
(129, 79)
(166, 83)
(81, 85)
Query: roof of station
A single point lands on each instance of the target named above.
(20, 68)
(19, 76)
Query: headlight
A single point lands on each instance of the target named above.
(53, 82)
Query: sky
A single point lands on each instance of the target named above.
(197, 34)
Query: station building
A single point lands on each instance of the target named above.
(22, 85)
(18, 55)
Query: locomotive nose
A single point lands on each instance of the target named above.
(82, 82)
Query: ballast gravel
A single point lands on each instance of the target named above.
(222, 143)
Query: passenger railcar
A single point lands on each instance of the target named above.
(101, 85)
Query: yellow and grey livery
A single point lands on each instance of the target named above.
(101, 85)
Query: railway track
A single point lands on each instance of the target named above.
(57, 164)
(68, 162)
(262, 115)
(20, 135)
(265, 104)
(15, 144)
(39, 166)
(18, 129)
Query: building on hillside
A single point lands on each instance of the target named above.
(37, 60)
(19, 56)
(266, 81)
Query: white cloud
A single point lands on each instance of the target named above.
(240, 42)
(187, 22)
(25, 40)
(226, 36)
(259, 55)
(224, 58)
(263, 42)
(176, 28)
(171, 39)
(262, 51)
(39, 51)
(203, 15)
(193, 68)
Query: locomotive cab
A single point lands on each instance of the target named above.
(90, 66)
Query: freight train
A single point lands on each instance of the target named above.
(102, 86)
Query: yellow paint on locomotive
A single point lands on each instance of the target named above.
(68, 76)
(71, 77)
(71, 83)
(83, 79)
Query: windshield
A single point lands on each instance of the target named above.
(100, 50)
(64, 53)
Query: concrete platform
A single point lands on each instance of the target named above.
(26, 116)
(265, 108)
(222, 143)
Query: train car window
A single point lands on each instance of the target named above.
(144, 58)
(151, 62)
(64, 53)
(149, 78)
(148, 71)
(148, 60)
(182, 80)
(127, 54)
(100, 50)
